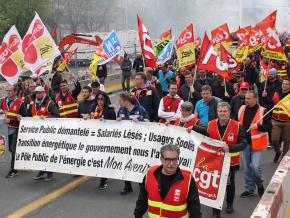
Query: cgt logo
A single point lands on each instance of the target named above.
(206, 178)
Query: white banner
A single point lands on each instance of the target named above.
(120, 150)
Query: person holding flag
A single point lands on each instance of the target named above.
(257, 125)
(281, 120)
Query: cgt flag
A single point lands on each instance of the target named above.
(38, 46)
(273, 48)
(185, 47)
(232, 64)
(164, 39)
(11, 56)
(269, 21)
(264, 70)
(146, 45)
(220, 35)
(209, 60)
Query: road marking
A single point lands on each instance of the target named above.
(48, 198)
(287, 215)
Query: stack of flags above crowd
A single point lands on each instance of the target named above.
(37, 51)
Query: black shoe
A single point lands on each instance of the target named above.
(276, 158)
(246, 194)
(12, 174)
(126, 191)
(40, 175)
(229, 208)
(261, 190)
(49, 178)
(216, 213)
(103, 186)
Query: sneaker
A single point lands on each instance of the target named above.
(103, 186)
(216, 213)
(261, 190)
(229, 208)
(277, 156)
(12, 174)
(49, 177)
(40, 175)
(126, 191)
(246, 194)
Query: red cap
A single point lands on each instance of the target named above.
(244, 85)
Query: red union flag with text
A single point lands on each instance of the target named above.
(273, 48)
(185, 47)
(226, 56)
(209, 60)
(38, 46)
(11, 56)
(146, 45)
(221, 34)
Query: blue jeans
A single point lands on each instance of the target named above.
(252, 161)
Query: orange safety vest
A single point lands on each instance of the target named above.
(189, 123)
(279, 113)
(260, 140)
(170, 105)
(67, 108)
(282, 72)
(13, 111)
(174, 205)
(230, 136)
(41, 112)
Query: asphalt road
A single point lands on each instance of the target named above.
(86, 201)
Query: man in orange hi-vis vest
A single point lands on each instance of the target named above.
(167, 190)
(257, 127)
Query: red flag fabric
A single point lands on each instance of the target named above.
(221, 34)
(227, 57)
(166, 34)
(269, 21)
(209, 60)
(146, 45)
(241, 33)
(68, 57)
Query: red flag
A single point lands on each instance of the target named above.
(226, 56)
(241, 33)
(167, 34)
(197, 42)
(209, 60)
(68, 57)
(221, 34)
(264, 70)
(146, 45)
(54, 32)
(269, 21)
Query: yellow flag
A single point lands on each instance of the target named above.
(241, 53)
(285, 104)
(61, 67)
(93, 66)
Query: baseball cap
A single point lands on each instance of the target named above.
(244, 85)
(39, 89)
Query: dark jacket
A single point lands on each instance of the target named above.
(207, 81)
(138, 112)
(251, 74)
(219, 91)
(271, 88)
(126, 67)
(102, 72)
(236, 103)
(108, 111)
(184, 93)
(193, 204)
(85, 106)
(55, 82)
(138, 65)
(212, 111)
(148, 97)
